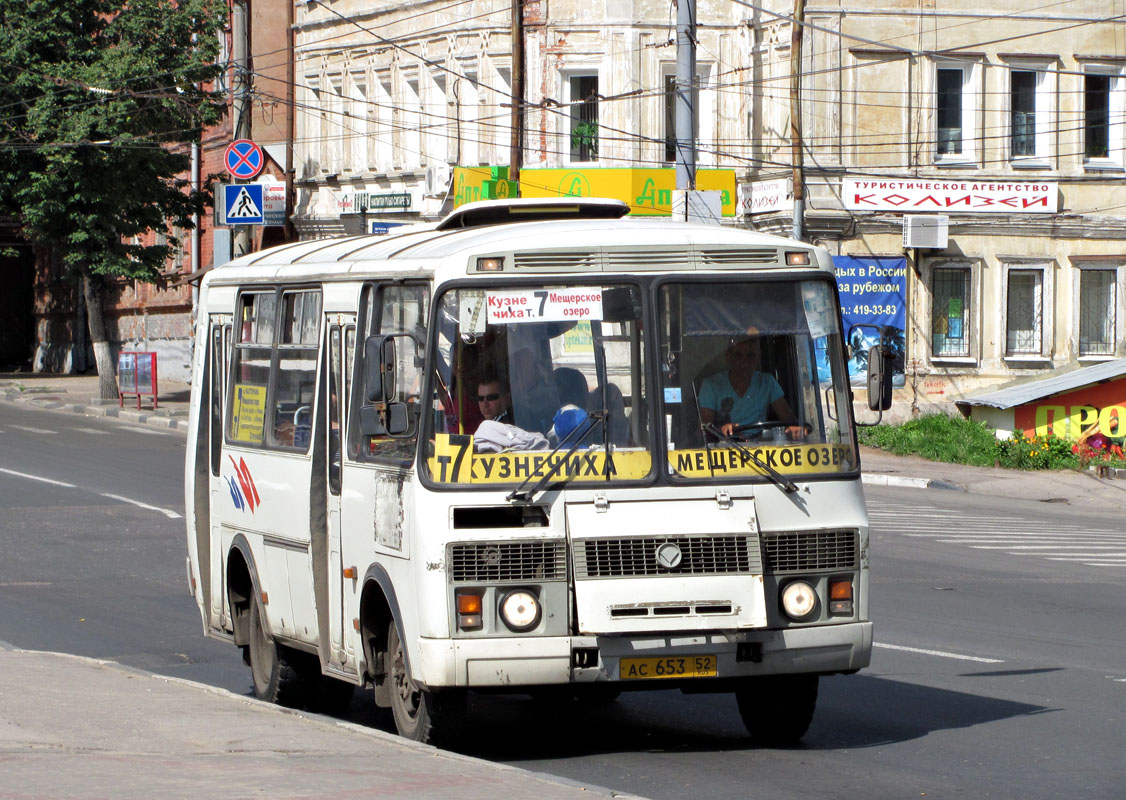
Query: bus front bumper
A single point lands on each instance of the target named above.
(553, 660)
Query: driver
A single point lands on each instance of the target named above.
(743, 395)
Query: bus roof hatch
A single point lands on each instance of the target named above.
(498, 212)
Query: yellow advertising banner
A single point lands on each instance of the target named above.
(482, 183)
(455, 462)
(248, 414)
(647, 191)
(795, 459)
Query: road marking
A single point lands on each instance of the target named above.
(93, 430)
(166, 512)
(939, 653)
(1016, 536)
(30, 429)
(37, 478)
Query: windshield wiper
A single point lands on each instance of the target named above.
(579, 433)
(779, 479)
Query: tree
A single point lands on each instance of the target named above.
(97, 98)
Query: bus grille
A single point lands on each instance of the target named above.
(637, 557)
(809, 551)
(498, 562)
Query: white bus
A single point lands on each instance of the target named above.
(628, 516)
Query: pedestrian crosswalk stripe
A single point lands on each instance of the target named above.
(1052, 541)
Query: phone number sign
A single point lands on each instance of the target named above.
(544, 305)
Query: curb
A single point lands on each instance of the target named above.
(873, 479)
(55, 403)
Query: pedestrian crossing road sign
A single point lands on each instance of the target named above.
(242, 204)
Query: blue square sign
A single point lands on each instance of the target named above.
(242, 204)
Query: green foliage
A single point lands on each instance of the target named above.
(961, 441)
(584, 138)
(97, 98)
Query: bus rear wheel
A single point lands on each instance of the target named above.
(420, 715)
(274, 669)
(777, 709)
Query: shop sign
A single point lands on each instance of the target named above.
(922, 195)
(1098, 408)
(482, 183)
(362, 202)
(763, 197)
(647, 191)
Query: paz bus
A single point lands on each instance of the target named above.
(355, 521)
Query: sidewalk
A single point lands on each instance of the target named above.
(79, 728)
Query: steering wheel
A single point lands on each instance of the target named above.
(759, 427)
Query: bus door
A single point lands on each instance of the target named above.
(341, 352)
(219, 353)
(375, 496)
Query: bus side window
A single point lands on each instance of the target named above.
(396, 309)
(295, 374)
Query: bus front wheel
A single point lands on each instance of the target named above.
(777, 709)
(420, 715)
(274, 670)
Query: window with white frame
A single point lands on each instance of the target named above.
(1103, 110)
(336, 129)
(468, 126)
(950, 311)
(359, 122)
(956, 107)
(383, 125)
(437, 118)
(1098, 311)
(703, 128)
(581, 93)
(1024, 312)
(1030, 112)
(410, 138)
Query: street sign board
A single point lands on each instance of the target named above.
(243, 159)
(242, 204)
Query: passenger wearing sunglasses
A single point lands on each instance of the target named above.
(494, 400)
(742, 398)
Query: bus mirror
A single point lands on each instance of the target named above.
(879, 378)
(379, 369)
(398, 419)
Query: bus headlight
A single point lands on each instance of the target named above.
(520, 610)
(799, 599)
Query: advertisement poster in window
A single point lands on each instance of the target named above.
(873, 311)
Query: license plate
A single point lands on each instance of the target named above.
(669, 667)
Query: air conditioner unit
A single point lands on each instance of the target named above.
(437, 180)
(926, 231)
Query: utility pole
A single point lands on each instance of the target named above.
(515, 157)
(240, 96)
(685, 100)
(796, 149)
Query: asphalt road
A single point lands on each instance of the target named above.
(1000, 668)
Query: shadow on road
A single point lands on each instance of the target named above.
(853, 712)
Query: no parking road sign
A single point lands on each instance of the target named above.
(243, 159)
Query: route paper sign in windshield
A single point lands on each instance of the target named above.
(544, 305)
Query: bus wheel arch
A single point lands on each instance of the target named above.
(375, 617)
(241, 588)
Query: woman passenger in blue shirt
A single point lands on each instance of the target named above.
(743, 395)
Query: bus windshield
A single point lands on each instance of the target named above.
(753, 370)
(532, 379)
